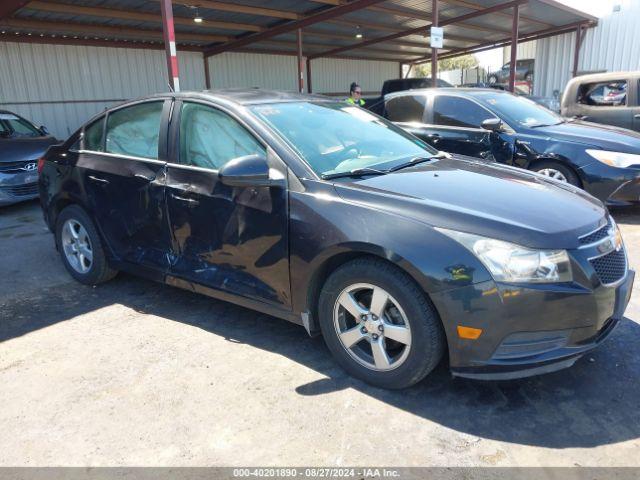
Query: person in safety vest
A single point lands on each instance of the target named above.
(355, 95)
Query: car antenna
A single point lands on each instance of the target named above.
(170, 87)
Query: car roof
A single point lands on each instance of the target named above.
(247, 96)
(604, 77)
(454, 90)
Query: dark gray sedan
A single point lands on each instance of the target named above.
(21, 144)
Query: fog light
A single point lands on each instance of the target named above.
(469, 333)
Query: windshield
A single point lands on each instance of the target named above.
(336, 137)
(518, 110)
(12, 125)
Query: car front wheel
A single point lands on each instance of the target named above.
(81, 248)
(557, 171)
(379, 325)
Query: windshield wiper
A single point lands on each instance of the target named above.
(354, 173)
(416, 160)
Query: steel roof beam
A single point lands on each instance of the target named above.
(83, 29)
(309, 19)
(9, 7)
(413, 31)
(55, 7)
(417, 14)
(525, 37)
(91, 42)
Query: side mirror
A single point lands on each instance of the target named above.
(492, 124)
(247, 171)
(44, 130)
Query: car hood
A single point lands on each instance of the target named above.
(25, 148)
(604, 136)
(488, 199)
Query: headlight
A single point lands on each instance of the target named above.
(508, 262)
(615, 159)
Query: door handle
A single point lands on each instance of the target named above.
(144, 177)
(98, 179)
(191, 201)
(637, 115)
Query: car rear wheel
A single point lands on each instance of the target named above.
(379, 325)
(528, 77)
(557, 171)
(81, 248)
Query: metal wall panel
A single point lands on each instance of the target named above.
(526, 50)
(61, 86)
(233, 69)
(328, 75)
(613, 45)
(333, 75)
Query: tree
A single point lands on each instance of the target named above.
(462, 62)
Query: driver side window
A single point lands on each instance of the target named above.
(210, 138)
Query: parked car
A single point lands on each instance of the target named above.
(524, 71)
(551, 103)
(497, 125)
(608, 98)
(375, 104)
(21, 144)
(326, 215)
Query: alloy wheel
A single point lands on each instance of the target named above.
(553, 173)
(77, 246)
(372, 327)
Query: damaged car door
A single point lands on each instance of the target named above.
(123, 172)
(228, 237)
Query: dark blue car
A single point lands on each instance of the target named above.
(331, 217)
(21, 145)
(485, 123)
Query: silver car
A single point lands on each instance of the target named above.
(21, 144)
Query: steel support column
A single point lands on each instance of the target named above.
(207, 77)
(434, 51)
(576, 53)
(169, 36)
(514, 48)
(300, 62)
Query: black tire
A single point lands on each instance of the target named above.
(427, 335)
(492, 79)
(99, 271)
(569, 174)
(528, 77)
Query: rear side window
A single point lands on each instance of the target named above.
(135, 130)
(93, 136)
(408, 108)
(458, 112)
(210, 138)
(603, 94)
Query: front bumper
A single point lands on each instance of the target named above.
(528, 330)
(18, 187)
(614, 186)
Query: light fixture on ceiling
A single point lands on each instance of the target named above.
(198, 18)
(358, 32)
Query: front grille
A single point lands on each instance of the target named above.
(13, 167)
(610, 267)
(20, 190)
(599, 234)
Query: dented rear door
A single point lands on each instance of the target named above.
(123, 170)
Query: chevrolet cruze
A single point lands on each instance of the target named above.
(326, 215)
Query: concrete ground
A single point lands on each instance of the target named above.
(137, 373)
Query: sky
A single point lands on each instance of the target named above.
(492, 59)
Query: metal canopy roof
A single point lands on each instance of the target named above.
(395, 30)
